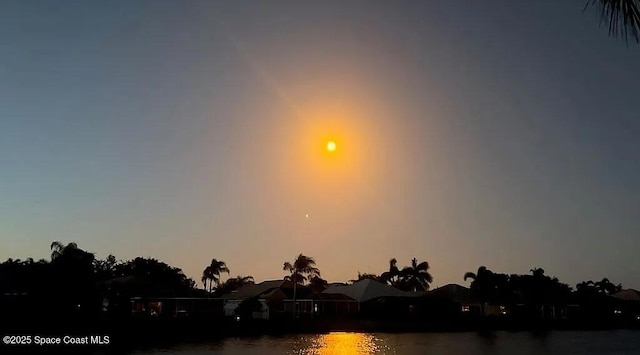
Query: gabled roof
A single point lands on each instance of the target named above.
(262, 290)
(365, 290)
(253, 290)
(627, 295)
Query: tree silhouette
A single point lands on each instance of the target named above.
(154, 278)
(483, 284)
(303, 266)
(73, 285)
(234, 283)
(538, 290)
(26, 276)
(297, 278)
(416, 277)
(105, 269)
(537, 272)
(605, 286)
(586, 288)
(391, 277)
(72, 269)
(317, 284)
(622, 16)
(213, 272)
(70, 253)
(206, 276)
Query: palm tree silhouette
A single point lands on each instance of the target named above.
(416, 277)
(234, 283)
(213, 271)
(623, 16)
(391, 276)
(482, 284)
(206, 276)
(605, 286)
(302, 267)
(470, 275)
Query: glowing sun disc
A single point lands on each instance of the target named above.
(331, 146)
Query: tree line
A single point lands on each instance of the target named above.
(76, 278)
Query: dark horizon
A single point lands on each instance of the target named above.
(221, 278)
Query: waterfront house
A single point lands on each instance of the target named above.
(628, 305)
(275, 297)
(371, 297)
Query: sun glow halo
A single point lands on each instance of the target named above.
(331, 146)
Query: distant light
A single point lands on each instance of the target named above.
(466, 308)
(331, 146)
(617, 311)
(238, 318)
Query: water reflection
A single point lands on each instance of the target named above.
(472, 343)
(344, 343)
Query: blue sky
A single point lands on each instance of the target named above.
(498, 133)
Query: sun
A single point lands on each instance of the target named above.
(331, 146)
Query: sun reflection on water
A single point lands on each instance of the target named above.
(344, 343)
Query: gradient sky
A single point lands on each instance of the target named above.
(498, 133)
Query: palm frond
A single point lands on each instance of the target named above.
(623, 16)
(428, 278)
(423, 266)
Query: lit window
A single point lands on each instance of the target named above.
(466, 308)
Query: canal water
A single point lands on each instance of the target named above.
(519, 343)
